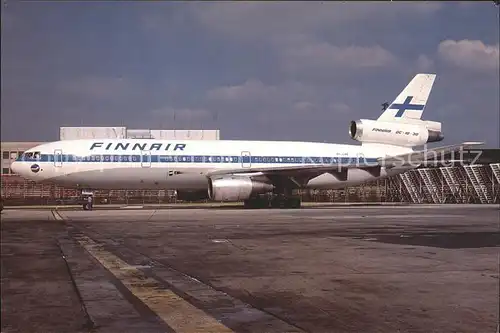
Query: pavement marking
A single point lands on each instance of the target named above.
(179, 314)
(56, 215)
(370, 216)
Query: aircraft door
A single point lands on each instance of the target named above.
(246, 159)
(146, 159)
(58, 158)
(360, 159)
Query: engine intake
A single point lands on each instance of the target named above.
(236, 188)
(356, 129)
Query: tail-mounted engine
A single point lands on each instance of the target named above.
(396, 133)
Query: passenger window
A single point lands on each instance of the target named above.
(37, 155)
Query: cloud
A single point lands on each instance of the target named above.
(255, 92)
(470, 54)
(100, 88)
(169, 113)
(289, 102)
(9, 20)
(340, 108)
(468, 4)
(317, 58)
(307, 40)
(304, 106)
(311, 40)
(251, 90)
(424, 63)
(261, 21)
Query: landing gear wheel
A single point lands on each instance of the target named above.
(256, 203)
(277, 202)
(285, 202)
(249, 204)
(293, 202)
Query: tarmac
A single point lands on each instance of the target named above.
(334, 268)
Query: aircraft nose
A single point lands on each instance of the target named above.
(16, 167)
(20, 168)
(27, 170)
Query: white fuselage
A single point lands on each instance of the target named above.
(174, 164)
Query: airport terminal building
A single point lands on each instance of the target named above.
(476, 181)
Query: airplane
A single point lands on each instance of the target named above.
(259, 173)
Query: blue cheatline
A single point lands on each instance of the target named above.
(110, 158)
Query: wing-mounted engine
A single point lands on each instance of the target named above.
(236, 188)
(405, 133)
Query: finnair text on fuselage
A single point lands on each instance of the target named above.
(134, 146)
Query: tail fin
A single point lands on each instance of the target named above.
(411, 102)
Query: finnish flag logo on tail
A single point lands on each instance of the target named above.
(405, 106)
(411, 102)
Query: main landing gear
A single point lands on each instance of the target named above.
(285, 202)
(277, 201)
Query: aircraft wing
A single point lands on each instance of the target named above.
(418, 157)
(298, 176)
(308, 171)
(287, 170)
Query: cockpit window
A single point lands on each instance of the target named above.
(32, 155)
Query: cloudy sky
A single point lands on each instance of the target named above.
(273, 71)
